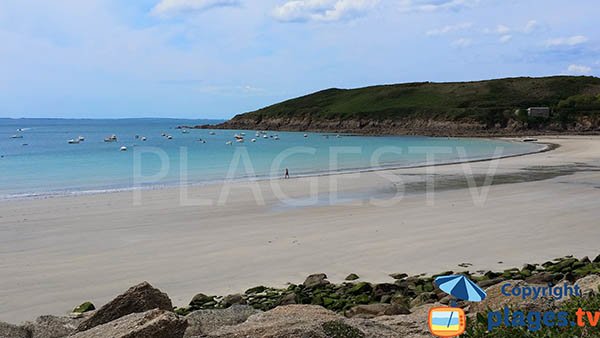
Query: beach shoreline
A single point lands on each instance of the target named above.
(59, 252)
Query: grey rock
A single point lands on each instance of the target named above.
(53, 327)
(235, 299)
(398, 275)
(149, 324)
(13, 331)
(139, 298)
(316, 280)
(203, 322)
(375, 310)
(424, 298)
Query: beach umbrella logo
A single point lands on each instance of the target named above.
(460, 287)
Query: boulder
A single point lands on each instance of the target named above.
(424, 298)
(316, 280)
(352, 277)
(544, 278)
(398, 275)
(202, 322)
(375, 310)
(149, 324)
(13, 331)
(53, 327)
(383, 289)
(413, 325)
(306, 321)
(235, 299)
(85, 307)
(589, 285)
(139, 298)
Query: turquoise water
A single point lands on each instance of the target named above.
(42, 163)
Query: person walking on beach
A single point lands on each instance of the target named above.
(287, 173)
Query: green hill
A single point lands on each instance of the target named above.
(487, 106)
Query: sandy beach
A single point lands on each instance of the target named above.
(56, 253)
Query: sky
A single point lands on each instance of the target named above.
(219, 58)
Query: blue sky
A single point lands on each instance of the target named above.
(218, 58)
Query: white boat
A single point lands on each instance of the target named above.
(81, 139)
(163, 134)
(73, 141)
(169, 137)
(123, 148)
(143, 138)
(337, 136)
(17, 136)
(240, 140)
(276, 137)
(305, 135)
(253, 140)
(185, 131)
(265, 136)
(228, 143)
(243, 134)
(211, 133)
(111, 138)
(238, 137)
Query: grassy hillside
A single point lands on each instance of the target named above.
(488, 102)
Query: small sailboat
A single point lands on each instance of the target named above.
(211, 133)
(253, 140)
(123, 148)
(143, 138)
(228, 143)
(81, 138)
(265, 136)
(238, 137)
(169, 137)
(73, 141)
(17, 136)
(276, 137)
(240, 140)
(185, 131)
(111, 138)
(305, 135)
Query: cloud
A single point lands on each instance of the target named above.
(462, 42)
(166, 8)
(530, 26)
(435, 5)
(322, 10)
(505, 38)
(566, 41)
(449, 29)
(579, 70)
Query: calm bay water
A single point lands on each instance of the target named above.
(42, 163)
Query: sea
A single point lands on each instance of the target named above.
(37, 160)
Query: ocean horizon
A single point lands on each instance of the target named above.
(37, 161)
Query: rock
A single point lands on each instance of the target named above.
(256, 289)
(398, 275)
(199, 300)
(544, 278)
(597, 259)
(374, 310)
(202, 322)
(139, 298)
(424, 298)
(495, 300)
(304, 321)
(352, 277)
(13, 331)
(383, 289)
(360, 288)
(53, 327)
(288, 299)
(316, 280)
(589, 285)
(149, 324)
(85, 307)
(413, 325)
(235, 299)
(489, 282)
